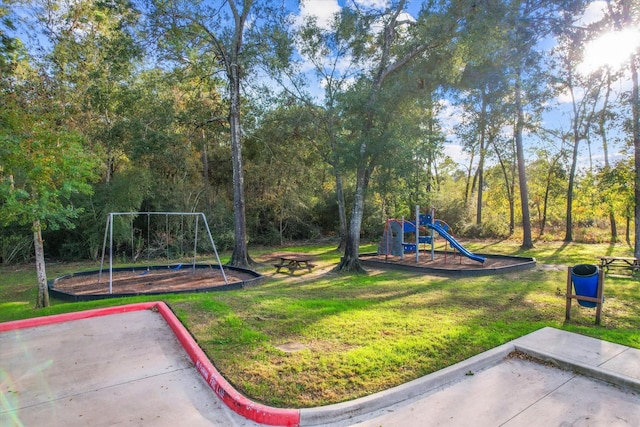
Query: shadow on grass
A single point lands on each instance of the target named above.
(561, 249)
(610, 249)
(490, 245)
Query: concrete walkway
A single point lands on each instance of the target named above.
(130, 369)
(123, 369)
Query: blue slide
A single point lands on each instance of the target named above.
(441, 231)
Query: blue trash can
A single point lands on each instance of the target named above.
(585, 282)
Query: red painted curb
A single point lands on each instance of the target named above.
(78, 315)
(254, 411)
(231, 397)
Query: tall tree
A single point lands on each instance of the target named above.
(625, 14)
(504, 149)
(549, 176)
(528, 22)
(218, 35)
(42, 164)
(327, 49)
(484, 104)
(394, 49)
(584, 95)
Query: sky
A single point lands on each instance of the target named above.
(613, 49)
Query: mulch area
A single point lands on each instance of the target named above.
(167, 280)
(143, 281)
(448, 261)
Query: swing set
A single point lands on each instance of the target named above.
(197, 218)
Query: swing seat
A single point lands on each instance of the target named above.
(144, 273)
(177, 267)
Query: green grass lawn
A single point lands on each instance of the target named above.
(308, 341)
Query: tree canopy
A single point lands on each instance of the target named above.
(281, 124)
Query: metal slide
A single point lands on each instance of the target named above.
(455, 243)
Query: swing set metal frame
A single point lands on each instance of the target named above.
(108, 232)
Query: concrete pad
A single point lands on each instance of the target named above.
(489, 398)
(516, 393)
(119, 369)
(583, 402)
(626, 363)
(575, 347)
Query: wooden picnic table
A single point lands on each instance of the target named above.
(607, 262)
(294, 262)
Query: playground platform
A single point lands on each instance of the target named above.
(135, 366)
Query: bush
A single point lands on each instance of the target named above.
(486, 230)
(15, 248)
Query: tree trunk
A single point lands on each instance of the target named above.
(483, 144)
(508, 185)
(43, 289)
(480, 185)
(205, 160)
(467, 188)
(342, 211)
(545, 201)
(568, 237)
(605, 150)
(527, 241)
(240, 256)
(635, 108)
(622, 20)
(351, 259)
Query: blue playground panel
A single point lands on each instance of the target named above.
(409, 227)
(409, 247)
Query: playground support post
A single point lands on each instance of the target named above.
(417, 233)
(195, 246)
(388, 243)
(433, 233)
(104, 244)
(402, 238)
(206, 225)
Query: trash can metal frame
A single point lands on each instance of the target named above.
(598, 299)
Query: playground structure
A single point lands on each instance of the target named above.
(394, 243)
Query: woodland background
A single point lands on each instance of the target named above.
(118, 106)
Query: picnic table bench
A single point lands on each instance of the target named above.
(293, 263)
(607, 262)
